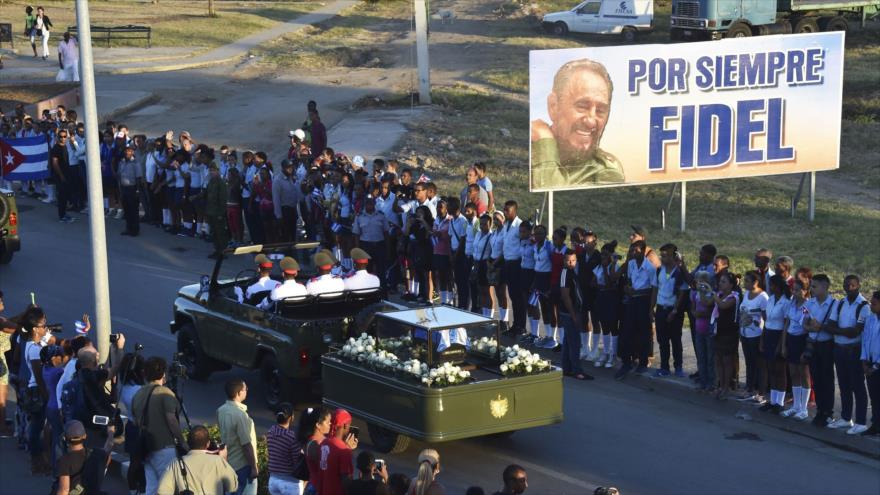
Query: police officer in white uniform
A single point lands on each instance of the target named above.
(290, 287)
(264, 283)
(361, 278)
(325, 282)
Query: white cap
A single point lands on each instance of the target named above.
(358, 161)
(299, 133)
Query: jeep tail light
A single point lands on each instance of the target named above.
(13, 219)
(304, 357)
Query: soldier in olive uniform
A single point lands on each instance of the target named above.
(215, 210)
(566, 152)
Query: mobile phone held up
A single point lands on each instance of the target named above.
(356, 432)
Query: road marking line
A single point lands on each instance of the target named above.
(144, 328)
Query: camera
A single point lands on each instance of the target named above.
(114, 337)
(55, 328)
(100, 420)
(214, 447)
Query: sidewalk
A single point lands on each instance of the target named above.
(172, 61)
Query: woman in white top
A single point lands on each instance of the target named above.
(751, 326)
(481, 251)
(605, 280)
(794, 341)
(495, 265)
(770, 346)
(542, 250)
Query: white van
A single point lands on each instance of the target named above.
(624, 17)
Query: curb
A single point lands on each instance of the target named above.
(833, 438)
(134, 105)
(170, 67)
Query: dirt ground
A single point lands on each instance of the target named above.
(13, 94)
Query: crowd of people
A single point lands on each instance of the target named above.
(560, 290)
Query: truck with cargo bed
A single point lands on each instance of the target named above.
(715, 19)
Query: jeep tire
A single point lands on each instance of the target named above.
(198, 365)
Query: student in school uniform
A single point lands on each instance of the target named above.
(542, 253)
(481, 250)
(847, 323)
(527, 277)
(770, 345)
(870, 357)
(668, 297)
(636, 335)
(821, 348)
(752, 314)
(605, 282)
(496, 267)
(794, 341)
(557, 264)
(568, 299)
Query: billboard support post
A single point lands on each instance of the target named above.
(550, 212)
(424, 66)
(684, 195)
(811, 212)
(668, 206)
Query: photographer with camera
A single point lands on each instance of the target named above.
(156, 410)
(202, 471)
(36, 395)
(372, 476)
(98, 403)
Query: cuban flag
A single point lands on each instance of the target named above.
(24, 158)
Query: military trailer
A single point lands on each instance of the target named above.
(217, 327)
(715, 19)
(438, 374)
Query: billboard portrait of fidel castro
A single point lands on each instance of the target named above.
(566, 152)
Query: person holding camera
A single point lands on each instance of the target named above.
(237, 432)
(156, 410)
(372, 476)
(81, 470)
(36, 395)
(202, 471)
(336, 467)
(93, 379)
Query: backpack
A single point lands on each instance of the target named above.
(73, 400)
(858, 309)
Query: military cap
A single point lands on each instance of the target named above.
(263, 261)
(359, 255)
(289, 265)
(322, 260)
(329, 253)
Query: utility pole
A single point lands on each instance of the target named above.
(211, 12)
(421, 13)
(100, 281)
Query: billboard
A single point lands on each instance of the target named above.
(648, 114)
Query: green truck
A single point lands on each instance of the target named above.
(9, 238)
(437, 374)
(715, 19)
(217, 327)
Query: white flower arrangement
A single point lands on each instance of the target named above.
(364, 350)
(485, 345)
(521, 362)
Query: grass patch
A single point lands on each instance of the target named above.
(30, 93)
(352, 39)
(514, 80)
(738, 215)
(174, 22)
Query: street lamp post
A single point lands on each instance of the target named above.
(100, 279)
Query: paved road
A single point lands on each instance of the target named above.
(637, 435)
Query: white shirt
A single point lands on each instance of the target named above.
(249, 175)
(66, 376)
(290, 288)
(641, 277)
(152, 165)
(179, 180)
(512, 247)
(196, 177)
(497, 249)
(848, 317)
(795, 315)
(325, 284)
(528, 254)
(386, 206)
(871, 340)
(482, 246)
(667, 290)
(472, 229)
(775, 310)
(69, 52)
(818, 311)
(361, 279)
(458, 232)
(754, 307)
(263, 284)
(543, 257)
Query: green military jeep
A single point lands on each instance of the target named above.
(9, 240)
(218, 328)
